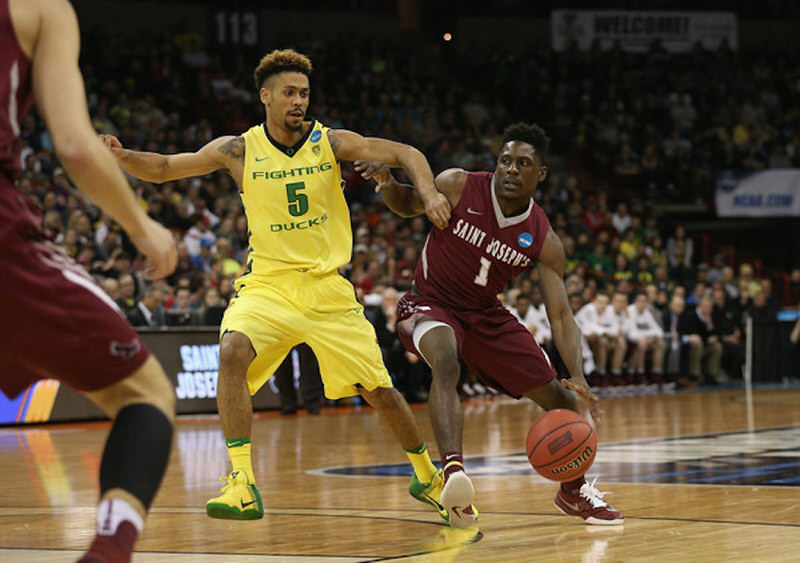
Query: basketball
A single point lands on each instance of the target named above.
(561, 445)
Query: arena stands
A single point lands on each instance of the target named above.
(632, 135)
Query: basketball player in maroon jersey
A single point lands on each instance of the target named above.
(496, 232)
(57, 323)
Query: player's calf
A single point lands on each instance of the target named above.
(134, 459)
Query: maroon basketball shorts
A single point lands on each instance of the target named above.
(492, 343)
(56, 323)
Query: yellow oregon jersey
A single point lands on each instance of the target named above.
(296, 211)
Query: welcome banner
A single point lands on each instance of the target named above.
(635, 31)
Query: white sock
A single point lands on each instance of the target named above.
(112, 512)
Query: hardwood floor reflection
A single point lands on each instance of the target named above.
(703, 475)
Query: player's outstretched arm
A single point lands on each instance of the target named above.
(566, 335)
(352, 146)
(61, 99)
(221, 153)
(404, 199)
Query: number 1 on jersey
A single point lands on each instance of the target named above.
(483, 276)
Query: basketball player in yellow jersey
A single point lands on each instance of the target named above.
(291, 187)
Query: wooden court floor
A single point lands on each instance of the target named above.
(699, 476)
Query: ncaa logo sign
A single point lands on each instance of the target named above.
(316, 136)
(525, 240)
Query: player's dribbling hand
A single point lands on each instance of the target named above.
(377, 171)
(588, 400)
(157, 244)
(437, 208)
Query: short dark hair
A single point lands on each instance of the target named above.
(530, 133)
(281, 60)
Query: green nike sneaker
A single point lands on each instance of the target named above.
(429, 493)
(239, 499)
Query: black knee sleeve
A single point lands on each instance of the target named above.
(136, 452)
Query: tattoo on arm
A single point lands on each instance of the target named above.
(234, 148)
(334, 141)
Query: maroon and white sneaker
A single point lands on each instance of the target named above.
(112, 549)
(589, 505)
(457, 496)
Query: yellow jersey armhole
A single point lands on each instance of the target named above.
(329, 150)
(246, 170)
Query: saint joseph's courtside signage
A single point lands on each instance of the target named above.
(190, 358)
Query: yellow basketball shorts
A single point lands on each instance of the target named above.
(284, 310)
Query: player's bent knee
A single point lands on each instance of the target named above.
(235, 352)
(444, 361)
(147, 385)
(447, 377)
(381, 396)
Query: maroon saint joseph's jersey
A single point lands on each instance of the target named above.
(16, 95)
(467, 264)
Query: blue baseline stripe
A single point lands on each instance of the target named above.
(721, 473)
(671, 474)
(781, 481)
(752, 472)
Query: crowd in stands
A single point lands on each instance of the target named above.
(626, 130)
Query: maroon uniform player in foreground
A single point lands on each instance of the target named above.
(57, 323)
(496, 232)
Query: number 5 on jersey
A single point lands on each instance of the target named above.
(298, 202)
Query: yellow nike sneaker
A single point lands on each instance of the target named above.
(431, 493)
(240, 500)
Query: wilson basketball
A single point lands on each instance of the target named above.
(561, 445)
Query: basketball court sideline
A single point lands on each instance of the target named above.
(708, 475)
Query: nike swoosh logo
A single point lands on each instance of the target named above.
(246, 504)
(261, 159)
(433, 501)
(574, 507)
(473, 212)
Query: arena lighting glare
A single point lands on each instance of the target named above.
(447, 36)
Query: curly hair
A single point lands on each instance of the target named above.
(281, 60)
(532, 134)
